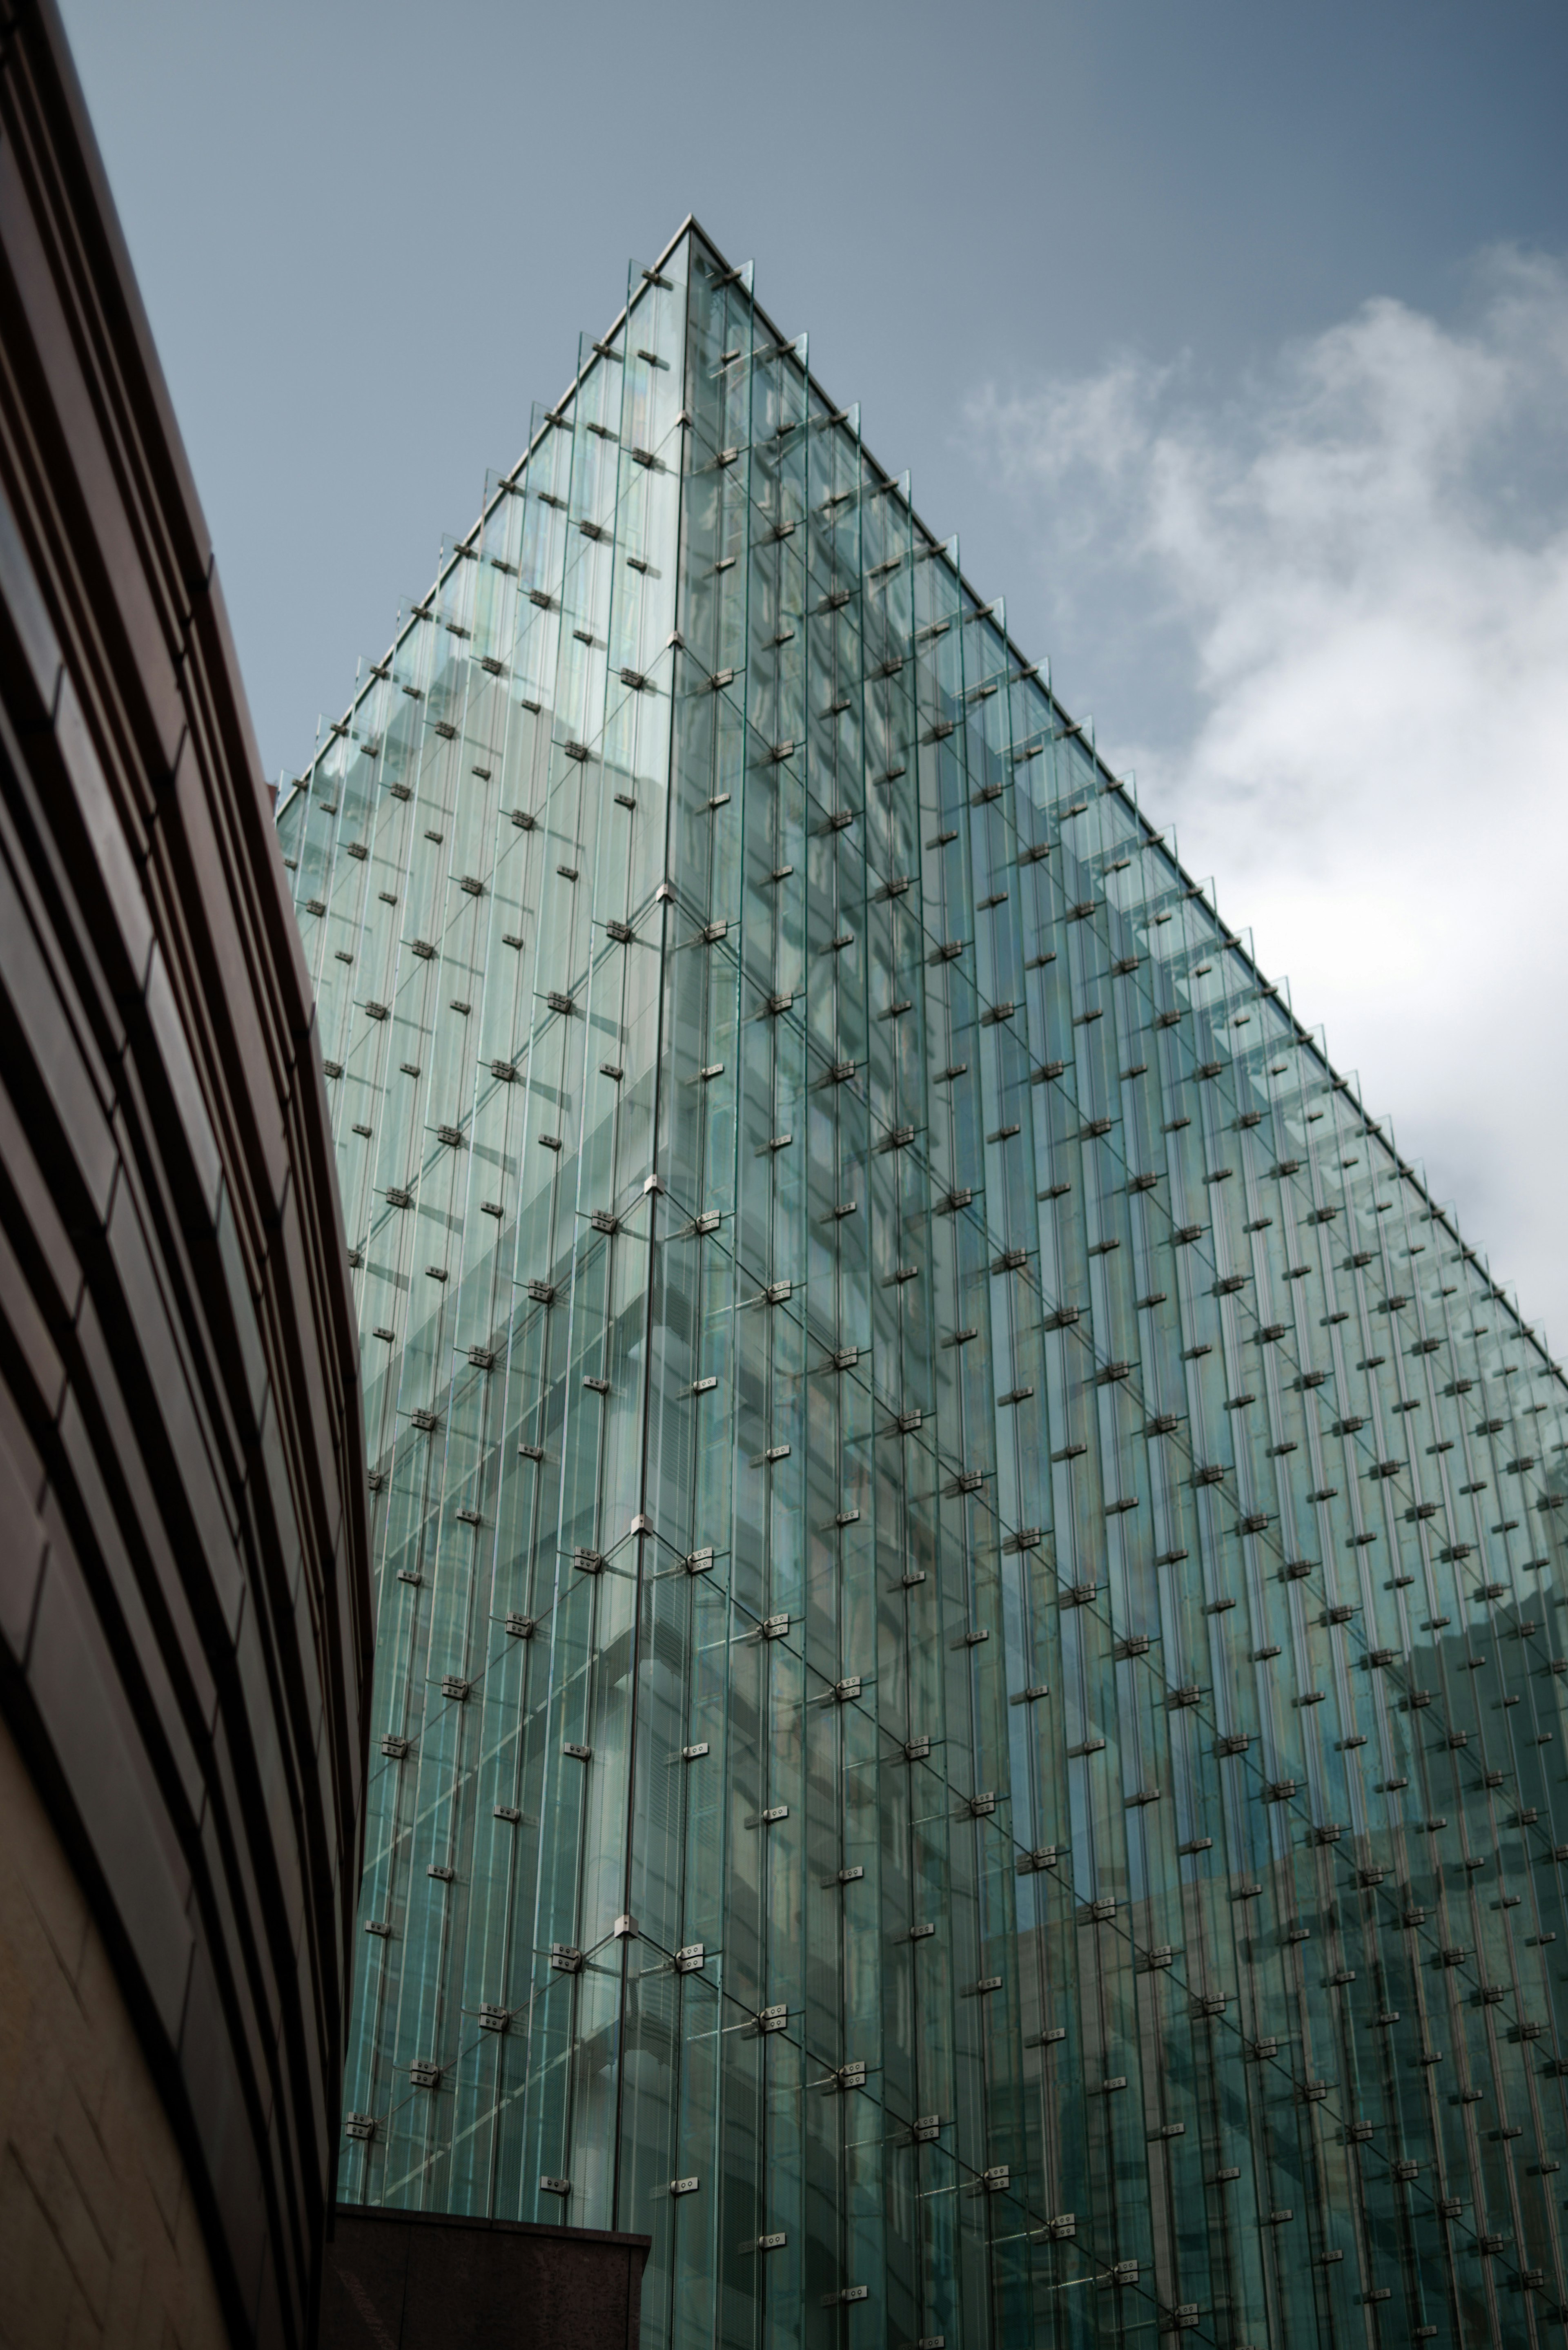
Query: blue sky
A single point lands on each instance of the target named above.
(1232, 340)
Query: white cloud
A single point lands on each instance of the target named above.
(1334, 602)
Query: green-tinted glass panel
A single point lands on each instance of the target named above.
(968, 1705)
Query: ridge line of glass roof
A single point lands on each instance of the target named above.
(444, 572)
(690, 226)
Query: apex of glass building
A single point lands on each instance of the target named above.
(970, 1713)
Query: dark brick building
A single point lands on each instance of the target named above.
(184, 1607)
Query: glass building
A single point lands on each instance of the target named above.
(968, 1693)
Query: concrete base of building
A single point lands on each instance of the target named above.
(403, 2280)
(99, 2241)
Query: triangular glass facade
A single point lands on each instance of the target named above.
(968, 1727)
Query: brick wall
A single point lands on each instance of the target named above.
(99, 2240)
(407, 2279)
